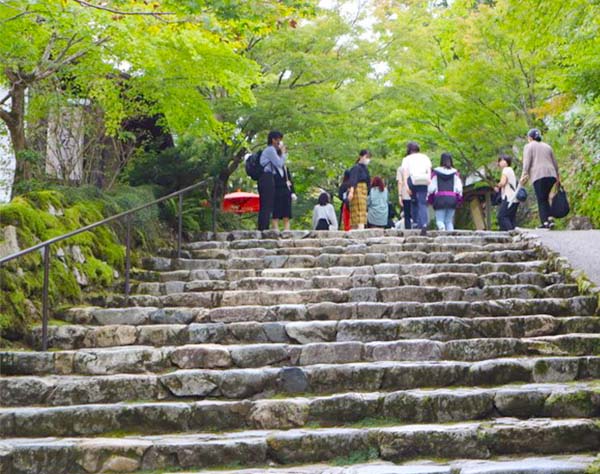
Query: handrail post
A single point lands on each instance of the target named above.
(214, 206)
(179, 224)
(127, 258)
(46, 248)
(45, 290)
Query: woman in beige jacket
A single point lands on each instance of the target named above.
(541, 168)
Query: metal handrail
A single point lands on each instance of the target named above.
(126, 214)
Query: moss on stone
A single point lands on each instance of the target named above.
(97, 256)
(574, 404)
(541, 367)
(594, 468)
(357, 457)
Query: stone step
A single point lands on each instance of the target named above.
(316, 379)
(144, 359)
(573, 464)
(141, 331)
(347, 282)
(480, 440)
(343, 248)
(580, 305)
(334, 259)
(266, 239)
(347, 409)
(415, 270)
(406, 293)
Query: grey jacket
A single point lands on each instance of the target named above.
(271, 161)
(539, 161)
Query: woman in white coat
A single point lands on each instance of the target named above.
(324, 217)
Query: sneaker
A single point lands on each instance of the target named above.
(545, 225)
(551, 224)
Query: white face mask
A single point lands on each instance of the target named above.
(367, 161)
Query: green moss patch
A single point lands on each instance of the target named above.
(89, 261)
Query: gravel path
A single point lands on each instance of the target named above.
(581, 247)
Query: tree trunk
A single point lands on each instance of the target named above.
(15, 122)
(216, 198)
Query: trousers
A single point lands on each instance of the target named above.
(542, 188)
(266, 192)
(420, 213)
(444, 218)
(406, 207)
(507, 216)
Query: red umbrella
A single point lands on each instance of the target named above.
(241, 203)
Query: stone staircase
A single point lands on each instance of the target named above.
(384, 352)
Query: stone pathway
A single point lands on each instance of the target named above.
(339, 353)
(581, 247)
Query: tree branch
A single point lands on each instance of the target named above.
(83, 3)
(5, 116)
(68, 60)
(19, 15)
(72, 41)
(489, 109)
(296, 79)
(46, 54)
(309, 83)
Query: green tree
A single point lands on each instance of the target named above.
(132, 57)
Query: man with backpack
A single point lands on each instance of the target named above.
(262, 167)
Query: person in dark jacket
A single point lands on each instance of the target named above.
(445, 192)
(272, 161)
(358, 191)
(284, 195)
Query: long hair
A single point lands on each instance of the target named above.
(377, 182)
(446, 160)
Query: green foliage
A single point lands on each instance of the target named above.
(163, 58)
(171, 169)
(95, 256)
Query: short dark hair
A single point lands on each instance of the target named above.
(412, 147)
(364, 152)
(273, 134)
(323, 199)
(446, 160)
(506, 158)
(535, 134)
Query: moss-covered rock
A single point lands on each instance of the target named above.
(91, 260)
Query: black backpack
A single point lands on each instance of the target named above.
(253, 166)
